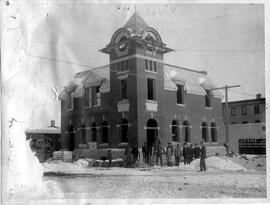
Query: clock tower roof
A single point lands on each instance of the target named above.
(136, 23)
(136, 28)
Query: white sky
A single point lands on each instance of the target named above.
(226, 40)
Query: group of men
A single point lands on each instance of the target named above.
(153, 154)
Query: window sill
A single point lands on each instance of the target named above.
(123, 101)
(96, 105)
(103, 145)
(181, 105)
(209, 108)
(215, 143)
(122, 72)
(151, 101)
(123, 144)
(149, 71)
(70, 109)
(87, 107)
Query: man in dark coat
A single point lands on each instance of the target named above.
(145, 153)
(169, 154)
(203, 157)
(159, 150)
(190, 153)
(135, 153)
(196, 151)
(177, 154)
(185, 156)
(128, 156)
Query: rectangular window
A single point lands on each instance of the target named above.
(257, 109)
(244, 110)
(122, 65)
(88, 97)
(233, 111)
(126, 68)
(151, 92)
(118, 67)
(96, 96)
(208, 98)
(151, 69)
(155, 66)
(180, 94)
(146, 65)
(123, 89)
(69, 100)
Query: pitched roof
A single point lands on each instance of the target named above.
(136, 23)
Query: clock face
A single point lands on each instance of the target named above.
(150, 46)
(122, 46)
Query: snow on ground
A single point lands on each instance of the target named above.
(218, 163)
(223, 179)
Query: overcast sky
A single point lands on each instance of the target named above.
(226, 40)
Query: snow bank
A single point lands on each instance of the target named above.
(74, 168)
(217, 163)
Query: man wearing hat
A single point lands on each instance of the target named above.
(177, 154)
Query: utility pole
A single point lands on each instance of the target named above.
(226, 87)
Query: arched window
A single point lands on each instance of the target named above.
(124, 130)
(94, 132)
(204, 131)
(213, 132)
(186, 128)
(175, 131)
(104, 132)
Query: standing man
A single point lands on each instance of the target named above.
(135, 153)
(190, 153)
(185, 153)
(203, 157)
(169, 154)
(145, 152)
(158, 152)
(177, 154)
(128, 155)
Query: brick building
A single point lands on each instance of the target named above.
(139, 98)
(246, 111)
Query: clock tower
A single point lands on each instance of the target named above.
(136, 76)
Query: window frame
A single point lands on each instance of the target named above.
(208, 98)
(244, 107)
(182, 94)
(153, 89)
(88, 97)
(233, 111)
(122, 95)
(96, 96)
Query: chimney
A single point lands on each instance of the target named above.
(258, 96)
(52, 123)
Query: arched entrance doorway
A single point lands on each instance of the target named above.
(151, 131)
(71, 141)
